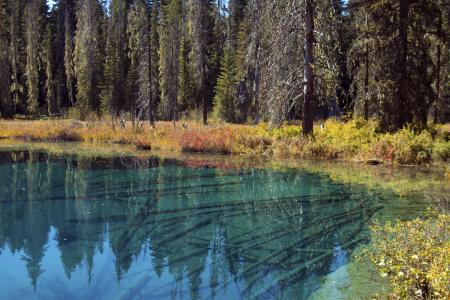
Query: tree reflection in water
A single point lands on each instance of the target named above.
(171, 231)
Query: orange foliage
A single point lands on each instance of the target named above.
(217, 140)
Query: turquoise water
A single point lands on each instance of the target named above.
(124, 228)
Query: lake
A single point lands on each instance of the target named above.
(122, 227)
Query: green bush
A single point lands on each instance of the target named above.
(441, 150)
(405, 147)
(74, 113)
(412, 147)
(414, 256)
(285, 132)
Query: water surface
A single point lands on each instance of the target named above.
(125, 228)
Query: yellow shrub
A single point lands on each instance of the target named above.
(414, 256)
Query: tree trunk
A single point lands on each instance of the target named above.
(308, 78)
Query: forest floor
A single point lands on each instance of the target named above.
(355, 140)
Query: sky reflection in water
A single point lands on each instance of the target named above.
(122, 228)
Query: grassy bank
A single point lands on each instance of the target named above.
(355, 140)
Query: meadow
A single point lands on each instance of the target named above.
(355, 140)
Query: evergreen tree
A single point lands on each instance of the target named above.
(32, 52)
(224, 99)
(116, 67)
(5, 96)
(249, 57)
(87, 55)
(277, 60)
(49, 59)
(229, 95)
(140, 57)
(63, 40)
(236, 16)
(198, 25)
(17, 54)
(441, 60)
(154, 60)
(398, 52)
(170, 38)
(188, 97)
(69, 67)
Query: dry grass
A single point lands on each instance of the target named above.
(165, 137)
(354, 140)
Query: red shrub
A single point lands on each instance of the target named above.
(217, 140)
(385, 151)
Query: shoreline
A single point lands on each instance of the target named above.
(393, 178)
(354, 141)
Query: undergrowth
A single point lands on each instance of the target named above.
(356, 140)
(414, 256)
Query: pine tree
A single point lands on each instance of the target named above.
(441, 59)
(154, 60)
(170, 38)
(64, 31)
(140, 67)
(188, 96)
(116, 67)
(32, 51)
(69, 54)
(236, 16)
(224, 99)
(87, 56)
(17, 55)
(49, 59)
(249, 55)
(398, 53)
(359, 58)
(5, 96)
(198, 25)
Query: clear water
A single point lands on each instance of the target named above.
(123, 228)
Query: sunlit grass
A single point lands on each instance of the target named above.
(355, 140)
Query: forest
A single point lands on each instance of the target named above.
(232, 149)
(239, 61)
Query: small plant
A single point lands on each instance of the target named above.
(74, 113)
(218, 140)
(414, 256)
(142, 143)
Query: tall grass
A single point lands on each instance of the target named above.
(356, 140)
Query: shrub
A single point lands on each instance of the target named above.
(288, 131)
(411, 147)
(349, 137)
(218, 140)
(74, 113)
(414, 256)
(142, 143)
(385, 150)
(441, 150)
(405, 147)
